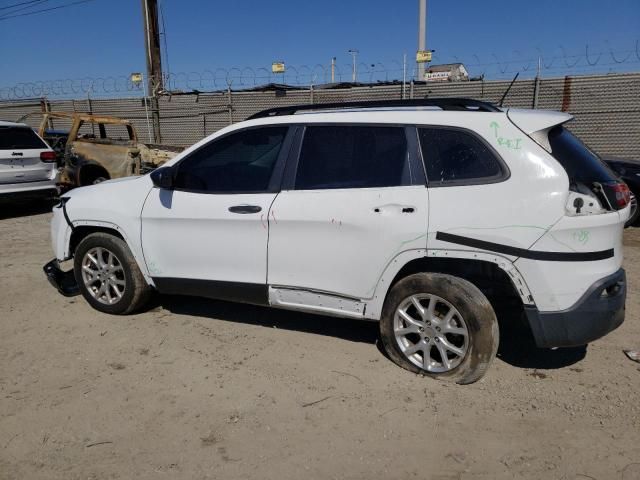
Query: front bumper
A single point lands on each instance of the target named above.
(599, 311)
(64, 282)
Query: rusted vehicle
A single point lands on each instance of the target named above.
(98, 147)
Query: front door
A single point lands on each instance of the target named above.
(209, 235)
(358, 199)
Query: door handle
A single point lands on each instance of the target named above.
(245, 209)
(408, 210)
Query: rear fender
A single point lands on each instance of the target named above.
(374, 305)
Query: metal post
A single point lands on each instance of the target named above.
(411, 90)
(154, 60)
(333, 70)
(146, 108)
(90, 106)
(230, 106)
(404, 76)
(422, 33)
(354, 71)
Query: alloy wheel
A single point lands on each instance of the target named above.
(103, 275)
(431, 333)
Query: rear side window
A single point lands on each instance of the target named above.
(352, 157)
(454, 157)
(581, 164)
(19, 138)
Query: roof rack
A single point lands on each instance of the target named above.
(456, 104)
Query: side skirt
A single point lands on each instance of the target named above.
(322, 303)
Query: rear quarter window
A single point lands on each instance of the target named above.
(20, 138)
(580, 163)
(458, 157)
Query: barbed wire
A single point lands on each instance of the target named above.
(559, 62)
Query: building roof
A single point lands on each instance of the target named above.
(445, 67)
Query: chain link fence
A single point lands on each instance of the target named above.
(606, 107)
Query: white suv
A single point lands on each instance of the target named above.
(420, 214)
(27, 163)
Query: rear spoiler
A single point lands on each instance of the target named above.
(537, 123)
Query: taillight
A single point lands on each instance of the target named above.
(623, 195)
(48, 157)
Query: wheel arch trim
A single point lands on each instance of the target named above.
(106, 226)
(375, 304)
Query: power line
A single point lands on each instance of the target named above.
(6, 17)
(164, 37)
(21, 3)
(27, 7)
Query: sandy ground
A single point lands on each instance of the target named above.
(201, 390)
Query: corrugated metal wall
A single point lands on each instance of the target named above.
(606, 107)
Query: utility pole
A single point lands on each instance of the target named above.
(154, 63)
(422, 34)
(333, 70)
(354, 71)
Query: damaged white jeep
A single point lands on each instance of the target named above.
(421, 214)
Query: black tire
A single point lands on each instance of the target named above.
(136, 292)
(481, 324)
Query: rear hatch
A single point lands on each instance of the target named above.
(589, 232)
(24, 156)
(589, 176)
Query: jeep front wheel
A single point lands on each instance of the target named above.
(440, 326)
(108, 275)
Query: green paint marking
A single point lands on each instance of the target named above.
(511, 143)
(581, 237)
(497, 228)
(398, 250)
(562, 243)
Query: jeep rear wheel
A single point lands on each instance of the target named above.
(108, 275)
(440, 326)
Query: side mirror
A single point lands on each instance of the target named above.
(163, 178)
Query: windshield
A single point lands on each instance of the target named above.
(14, 138)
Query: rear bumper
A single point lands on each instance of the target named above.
(64, 282)
(42, 187)
(599, 311)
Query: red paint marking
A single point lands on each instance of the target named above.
(273, 214)
(262, 221)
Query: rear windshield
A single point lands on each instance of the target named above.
(19, 138)
(581, 164)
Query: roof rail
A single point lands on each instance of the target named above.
(457, 104)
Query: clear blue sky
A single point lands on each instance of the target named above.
(104, 37)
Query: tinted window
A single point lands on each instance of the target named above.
(352, 157)
(581, 164)
(457, 156)
(19, 138)
(240, 162)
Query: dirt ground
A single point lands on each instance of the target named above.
(200, 389)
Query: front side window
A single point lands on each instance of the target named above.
(454, 156)
(343, 156)
(239, 162)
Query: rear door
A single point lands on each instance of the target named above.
(20, 150)
(354, 200)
